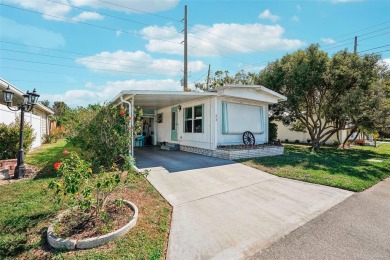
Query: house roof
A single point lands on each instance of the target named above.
(156, 99)
(255, 87)
(19, 95)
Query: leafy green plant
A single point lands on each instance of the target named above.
(273, 131)
(9, 139)
(79, 189)
(105, 132)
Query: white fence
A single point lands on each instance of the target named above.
(7, 116)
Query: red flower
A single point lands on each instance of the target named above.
(121, 112)
(57, 166)
(65, 152)
(129, 118)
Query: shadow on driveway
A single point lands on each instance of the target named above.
(174, 161)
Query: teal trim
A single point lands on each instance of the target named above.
(225, 125)
(203, 118)
(148, 112)
(262, 125)
(184, 120)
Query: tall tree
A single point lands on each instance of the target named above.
(46, 103)
(221, 78)
(60, 108)
(322, 92)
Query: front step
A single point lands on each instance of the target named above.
(170, 147)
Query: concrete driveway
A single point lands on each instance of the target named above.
(226, 210)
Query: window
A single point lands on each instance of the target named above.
(159, 118)
(193, 119)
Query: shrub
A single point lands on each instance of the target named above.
(308, 141)
(104, 132)
(9, 139)
(296, 141)
(273, 131)
(79, 189)
(286, 140)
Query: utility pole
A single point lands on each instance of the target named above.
(355, 46)
(185, 80)
(208, 78)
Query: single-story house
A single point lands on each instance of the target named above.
(38, 117)
(202, 122)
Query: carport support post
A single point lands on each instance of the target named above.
(132, 125)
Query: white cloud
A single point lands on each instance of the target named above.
(85, 16)
(137, 62)
(295, 19)
(235, 38)
(387, 62)
(328, 40)
(107, 91)
(62, 9)
(44, 6)
(299, 8)
(266, 14)
(28, 34)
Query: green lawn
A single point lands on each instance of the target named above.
(348, 169)
(27, 207)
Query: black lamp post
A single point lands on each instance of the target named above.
(29, 101)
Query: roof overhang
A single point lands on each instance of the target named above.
(18, 96)
(147, 99)
(280, 97)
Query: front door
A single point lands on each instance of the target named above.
(174, 124)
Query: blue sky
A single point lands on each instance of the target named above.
(87, 51)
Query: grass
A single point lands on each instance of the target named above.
(348, 169)
(27, 207)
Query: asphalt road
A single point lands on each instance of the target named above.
(357, 228)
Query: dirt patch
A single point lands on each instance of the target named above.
(79, 225)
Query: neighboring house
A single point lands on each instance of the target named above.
(200, 122)
(285, 132)
(38, 118)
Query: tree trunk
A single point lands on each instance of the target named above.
(348, 136)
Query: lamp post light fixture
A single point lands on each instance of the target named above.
(29, 101)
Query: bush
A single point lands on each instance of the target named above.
(77, 188)
(296, 141)
(9, 139)
(286, 140)
(104, 132)
(273, 131)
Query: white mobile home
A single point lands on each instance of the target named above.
(201, 122)
(38, 118)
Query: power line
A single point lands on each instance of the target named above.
(72, 66)
(88, 61)
(79, 53)
(112, 16)
(375, 48)
(140, 11)
(89, 24)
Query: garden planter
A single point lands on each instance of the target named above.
(71, 244)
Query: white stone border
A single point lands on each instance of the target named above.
(70, 244)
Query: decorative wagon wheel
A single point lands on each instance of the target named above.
(248, 138)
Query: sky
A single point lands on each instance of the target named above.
(87, 51)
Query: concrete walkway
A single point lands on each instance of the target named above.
(226, 210)
(357, 228)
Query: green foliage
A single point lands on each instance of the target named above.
(12, 244)
(221, 78)
(103, 131)
(79, 189)
(272, 131)
(9, 139)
